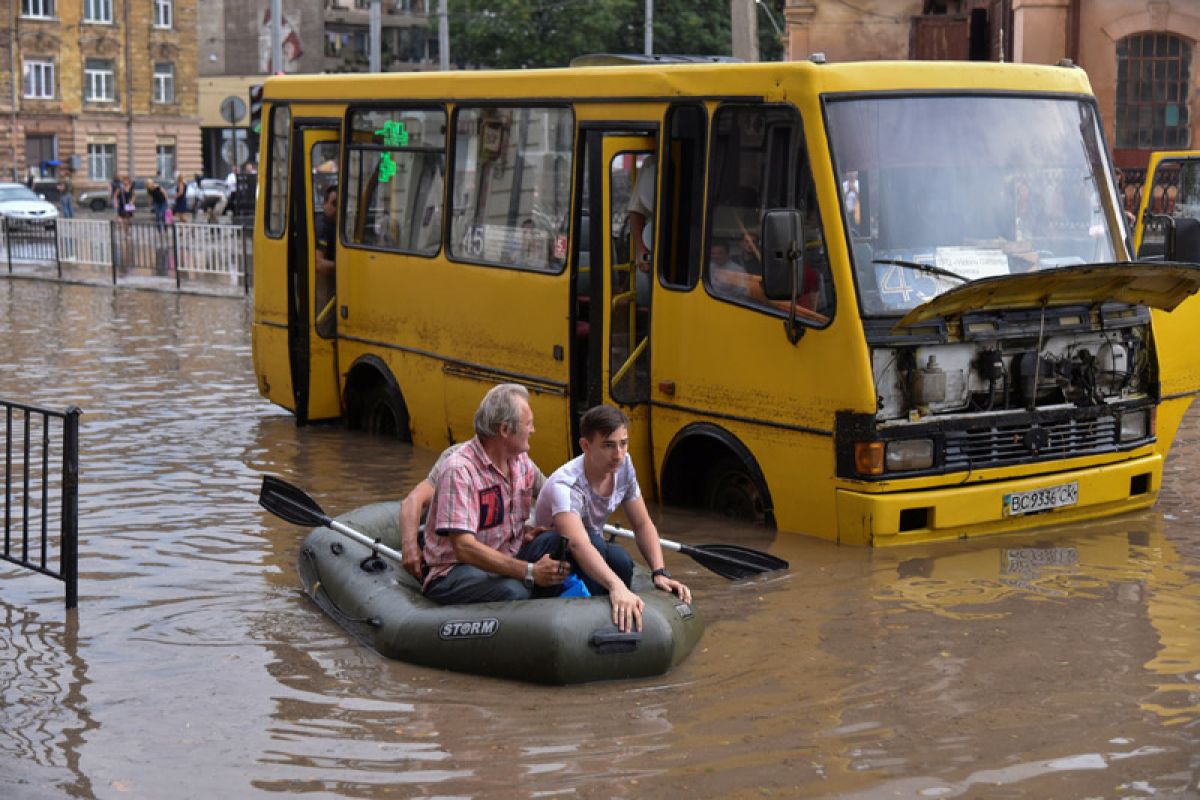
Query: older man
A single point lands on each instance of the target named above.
(475, 530)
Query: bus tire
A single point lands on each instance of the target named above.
(731, 491)
(384, 414)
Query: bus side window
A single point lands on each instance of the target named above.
(759, 162)
(512, 186)
(397, 165)
(682, 202)
(277, 182)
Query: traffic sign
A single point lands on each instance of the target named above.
(233, 108)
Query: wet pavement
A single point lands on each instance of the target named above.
(1064, 662)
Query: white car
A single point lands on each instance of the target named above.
(19, 202)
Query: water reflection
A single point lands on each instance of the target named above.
(43, 708)
(1061, 662)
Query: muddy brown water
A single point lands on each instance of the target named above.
(1064, 662)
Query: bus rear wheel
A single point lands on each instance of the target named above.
(382, 413)
(731, 491)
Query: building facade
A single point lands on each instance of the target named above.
(100, 87)
(1140, 55)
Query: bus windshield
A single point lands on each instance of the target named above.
(940, 191)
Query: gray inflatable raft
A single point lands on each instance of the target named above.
(554, 641)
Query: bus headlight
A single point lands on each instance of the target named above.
(1135, 425)
(908, 454)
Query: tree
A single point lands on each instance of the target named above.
(515, 34)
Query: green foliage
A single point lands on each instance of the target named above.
(514, 34)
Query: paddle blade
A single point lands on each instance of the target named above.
(726, 566)
(290, 503)
(764, 561)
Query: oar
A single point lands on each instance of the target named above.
(727, 560)
(294, 505)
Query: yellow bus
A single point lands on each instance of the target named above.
(875, 303)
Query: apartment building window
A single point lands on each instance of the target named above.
(164, 159)
(42, 9)
(163, 13)
(164, 83)
(39, 78)
(97, 11)
(1153, 79)
(101, 160)
(98, 81)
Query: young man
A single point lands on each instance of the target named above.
(578, 499)
(475, 540)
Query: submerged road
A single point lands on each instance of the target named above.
(1064, 662)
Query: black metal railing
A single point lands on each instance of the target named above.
(41, 487)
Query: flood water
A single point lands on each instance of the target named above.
(1059, 663)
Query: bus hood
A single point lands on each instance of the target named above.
(1159, 285)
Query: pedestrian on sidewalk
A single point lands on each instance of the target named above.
(158, 202)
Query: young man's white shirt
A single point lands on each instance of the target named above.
(568, 490)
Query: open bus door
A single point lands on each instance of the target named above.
(312, 318)
(619, 309)
(1168, 228)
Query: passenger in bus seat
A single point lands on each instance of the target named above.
(727, 275)
(475, 543)
(577, 501)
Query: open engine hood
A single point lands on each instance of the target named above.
(1159, 285)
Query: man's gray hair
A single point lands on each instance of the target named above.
(499, 405)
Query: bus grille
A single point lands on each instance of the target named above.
(1008, 444)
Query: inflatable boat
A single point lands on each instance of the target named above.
(552, 641)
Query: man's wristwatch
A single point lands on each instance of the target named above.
(660, 571)
(528, 574)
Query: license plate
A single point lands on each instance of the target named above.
(1018, 503)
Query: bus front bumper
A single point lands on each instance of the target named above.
(959, 512)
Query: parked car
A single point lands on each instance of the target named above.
(100, 199)
(19, 202)
(214, 191)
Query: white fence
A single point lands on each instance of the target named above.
(202, 256)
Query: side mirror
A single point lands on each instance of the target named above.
(783, 242)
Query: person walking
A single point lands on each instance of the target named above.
(158, 202)
(180, 208)
(66, 190)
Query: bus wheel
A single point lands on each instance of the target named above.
(730, 491)
(382, 413)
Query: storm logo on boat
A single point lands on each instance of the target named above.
(469, 628)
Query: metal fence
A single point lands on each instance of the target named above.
(41, 492)
(195, 257)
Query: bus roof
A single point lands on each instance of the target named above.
(771, 81)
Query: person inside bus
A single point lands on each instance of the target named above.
(641, 213)
(728, 275)
(577, 501)
(326, 252)
(475, 544)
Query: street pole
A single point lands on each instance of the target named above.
(276, 35)
(12, 59)
(744, 29)
(376, 22)
(443, 36)
(649, 46)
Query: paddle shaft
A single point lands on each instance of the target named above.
(627, 534)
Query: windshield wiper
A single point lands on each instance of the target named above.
(917, 265)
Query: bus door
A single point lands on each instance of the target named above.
(623, 182)
(312, 240)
